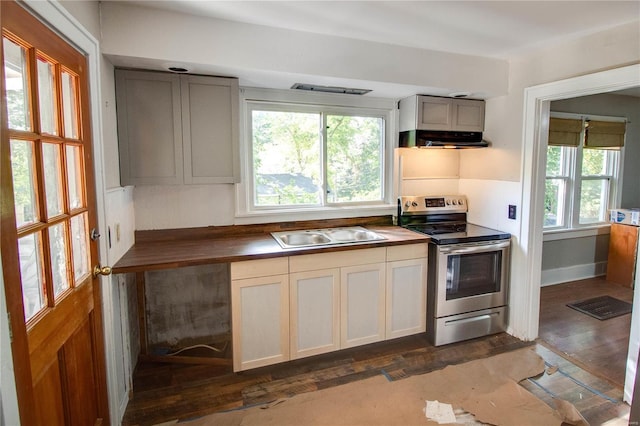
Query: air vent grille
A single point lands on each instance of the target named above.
(330, 89)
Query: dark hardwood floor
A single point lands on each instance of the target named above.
(587, 352)
(163, 392)
(599, 401)
(600, 347)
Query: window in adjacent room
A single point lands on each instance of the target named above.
(583, 163)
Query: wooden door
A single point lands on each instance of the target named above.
(48, 210)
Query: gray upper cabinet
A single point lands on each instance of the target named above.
(177, 129)
(437, 113)
(149, 128)
(210, 129)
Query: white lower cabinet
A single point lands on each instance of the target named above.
(406, 298)
(299, 306)
(259, 313)
(362, 312)
(314, 312)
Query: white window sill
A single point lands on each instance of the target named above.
(318, 213)
(564, 234)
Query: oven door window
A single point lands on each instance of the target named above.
(473, 274)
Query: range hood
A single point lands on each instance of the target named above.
(441, 139)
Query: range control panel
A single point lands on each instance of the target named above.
(432, 204)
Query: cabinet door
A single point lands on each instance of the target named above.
(621, 260)
(434, 113)
(362, 304)
(149, 127)
(406, 297)
(468, 115)
(260, 321)
(210, 129)
(314, 312)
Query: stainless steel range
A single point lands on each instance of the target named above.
(468, 270)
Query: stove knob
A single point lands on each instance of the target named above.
(407, 204)
(448, 202)
(454, 202)
(461, 201)
(414, 204)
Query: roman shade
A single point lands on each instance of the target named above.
(564, 131)
(604, 134)
(597, 135)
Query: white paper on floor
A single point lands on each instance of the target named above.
(440, 412)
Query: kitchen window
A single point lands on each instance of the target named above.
(314, 153)
(583, 165)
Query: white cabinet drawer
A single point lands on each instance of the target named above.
(259, 268)
(338, 259)
(409, 251)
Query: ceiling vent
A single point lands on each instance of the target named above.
(330, 89)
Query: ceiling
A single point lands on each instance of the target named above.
(498, 29)
(493, 29)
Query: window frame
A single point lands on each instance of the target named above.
(574, 179)
(324, 104)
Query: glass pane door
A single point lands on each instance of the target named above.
(47, 170)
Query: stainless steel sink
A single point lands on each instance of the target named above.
(298, 239)
(352, 234)
(325, 237)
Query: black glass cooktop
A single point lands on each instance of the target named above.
(458, 232)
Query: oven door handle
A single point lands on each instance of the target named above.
(472, 319)
(474, 248)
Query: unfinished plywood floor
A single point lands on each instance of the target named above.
(165, 392)
(600, 347)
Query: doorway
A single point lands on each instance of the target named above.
(536, 118)
(576, 245)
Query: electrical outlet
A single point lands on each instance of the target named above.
(512, 211)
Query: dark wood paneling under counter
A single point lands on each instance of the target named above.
(189, 249)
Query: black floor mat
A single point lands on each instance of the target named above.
(602, 308)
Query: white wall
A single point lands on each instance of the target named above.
(87, 13)
(183, 206)
(504, 115)
(426, 171)
(489, 202)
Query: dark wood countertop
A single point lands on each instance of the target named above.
(172, 253)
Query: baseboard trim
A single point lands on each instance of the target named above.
(572, 273)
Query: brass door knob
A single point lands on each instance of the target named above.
(101, 270)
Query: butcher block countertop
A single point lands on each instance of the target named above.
(176, 248)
